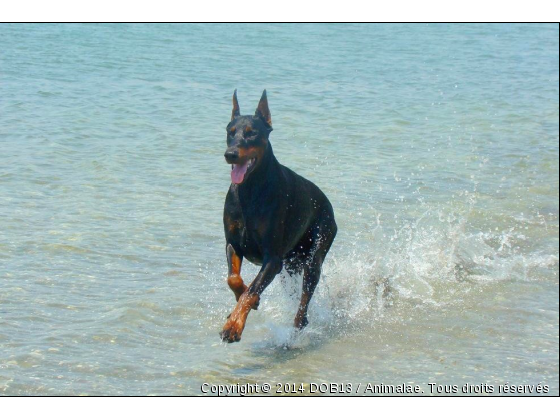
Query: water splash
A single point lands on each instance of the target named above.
(434, 260)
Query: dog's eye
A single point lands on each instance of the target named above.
(231, 132)
(250, 133)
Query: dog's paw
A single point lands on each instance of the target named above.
(231, 332)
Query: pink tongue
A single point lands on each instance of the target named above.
(238, 172)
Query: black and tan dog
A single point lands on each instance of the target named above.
(272, 216)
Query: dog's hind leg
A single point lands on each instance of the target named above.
(323, 239)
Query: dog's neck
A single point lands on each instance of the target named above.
(265, 172)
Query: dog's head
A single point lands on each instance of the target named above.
(247, 139)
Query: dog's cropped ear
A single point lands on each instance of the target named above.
(235, 110)
(262, 110)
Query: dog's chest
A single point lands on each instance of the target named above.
(251, 241)
(253, 235)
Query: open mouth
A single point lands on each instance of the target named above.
(240, 170)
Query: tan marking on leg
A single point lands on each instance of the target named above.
(235, 324)
(235, 281)
(236, 284)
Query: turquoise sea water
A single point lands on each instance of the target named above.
(436, 144)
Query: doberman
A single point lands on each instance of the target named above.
(272, 216)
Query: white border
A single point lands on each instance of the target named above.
(274, 11)
(456, 408)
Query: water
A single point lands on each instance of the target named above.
(436, 144)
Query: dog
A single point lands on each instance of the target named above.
(272, 217)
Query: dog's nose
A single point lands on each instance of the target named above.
(231, 155)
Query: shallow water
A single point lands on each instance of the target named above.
(436, 144)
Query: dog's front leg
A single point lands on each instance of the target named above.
(236, 322)
(234, 279)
